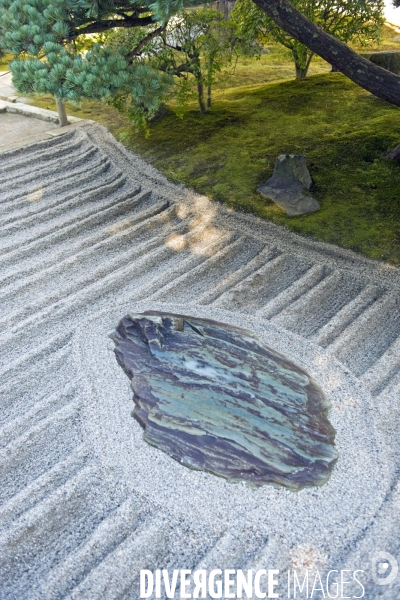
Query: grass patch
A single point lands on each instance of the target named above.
(276, 65)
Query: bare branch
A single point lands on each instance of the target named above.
(145, 40)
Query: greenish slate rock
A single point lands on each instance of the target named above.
(215, 398)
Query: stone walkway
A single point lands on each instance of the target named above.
(15, 128)
(6, 86)
(89, 232)
(7, 90)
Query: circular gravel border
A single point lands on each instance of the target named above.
(326, 519)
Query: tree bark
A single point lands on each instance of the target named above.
(62, 113)
(200, 97)
(301, 72)
(394, 154)
(378, 81)
(196, 70)
(210, 69)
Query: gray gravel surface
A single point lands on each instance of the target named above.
(89, 233)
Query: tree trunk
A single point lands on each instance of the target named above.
(62, 113)
(301, 72)
(302, 62)
(210, 70)
(200, 97)
(196, 71)
(394, 154)
(376, 80)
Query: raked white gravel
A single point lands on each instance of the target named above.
(89, 233)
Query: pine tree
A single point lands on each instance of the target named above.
(48, 39)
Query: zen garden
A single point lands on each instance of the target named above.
(200, 299)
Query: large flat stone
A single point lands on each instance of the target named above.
(215, 398)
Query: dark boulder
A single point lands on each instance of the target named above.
(289, 184)
(387, 59)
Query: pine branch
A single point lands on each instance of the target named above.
(100, 26)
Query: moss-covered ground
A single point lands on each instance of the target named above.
(261, 113)
(4, 60)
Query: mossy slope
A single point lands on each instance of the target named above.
(228, 153)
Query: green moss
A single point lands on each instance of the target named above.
(228, 153)
(340, 128)
(4, 60)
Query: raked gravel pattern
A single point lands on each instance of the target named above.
(89, 233)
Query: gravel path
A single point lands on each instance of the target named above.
(90, 232)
